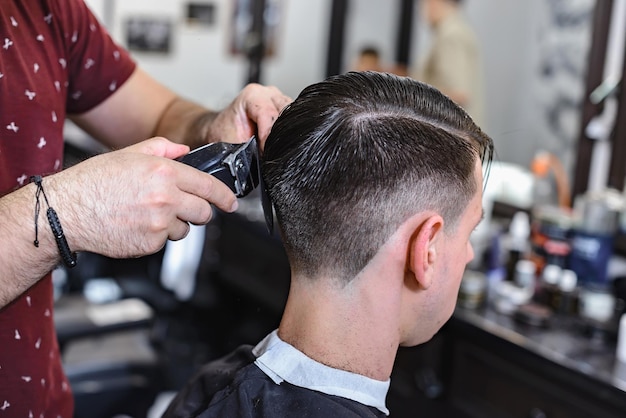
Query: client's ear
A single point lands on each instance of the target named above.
(423, 250)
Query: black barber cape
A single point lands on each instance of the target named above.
(234, 386)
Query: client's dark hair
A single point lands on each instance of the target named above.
(355, 156)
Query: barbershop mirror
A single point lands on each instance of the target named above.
(534, 61)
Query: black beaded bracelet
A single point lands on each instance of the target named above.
(68, 257)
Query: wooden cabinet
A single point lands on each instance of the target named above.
(477, 373)
(487, 383)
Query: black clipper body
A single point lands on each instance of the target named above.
(236, 165)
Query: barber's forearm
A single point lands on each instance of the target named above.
(142, 108)
(21, 263)
(186, 122)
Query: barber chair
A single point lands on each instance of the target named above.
(125, 327)
(105, 341)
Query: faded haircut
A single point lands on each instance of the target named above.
(356, 155)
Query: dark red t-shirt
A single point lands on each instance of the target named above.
(55, 59)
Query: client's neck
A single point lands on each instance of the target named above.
(344, 328)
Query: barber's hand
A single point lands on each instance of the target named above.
(127, 203)
(252, 112)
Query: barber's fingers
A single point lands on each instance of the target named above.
(189, 179)
(263, 105)
(193, 209)
(207, 187)
(179, 230)
(252, 112)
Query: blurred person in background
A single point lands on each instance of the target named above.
(368, 60)
(453, 64)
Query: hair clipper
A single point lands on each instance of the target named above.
(236, 165)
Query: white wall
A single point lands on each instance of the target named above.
(303, 43)
(504, 31)
(200, 66)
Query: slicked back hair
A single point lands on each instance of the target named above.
(356, 155)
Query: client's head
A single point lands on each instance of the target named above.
(355, 156)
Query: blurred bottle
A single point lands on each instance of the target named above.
(596, 306)
(516, 242)
(472, 290)
(550, 236)
(621, 340)
(551, 212)
(592, 241)
(566, 301)
(549, 190)
(548, 289)
(525, 274)
(544, 191)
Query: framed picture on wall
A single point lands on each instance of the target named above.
(149, 34)
(241, 38)
(201, 14)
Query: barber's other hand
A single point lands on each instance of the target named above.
(252, 112)
(127, 203)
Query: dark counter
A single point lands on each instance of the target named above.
(566, 342)
(486, 364)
